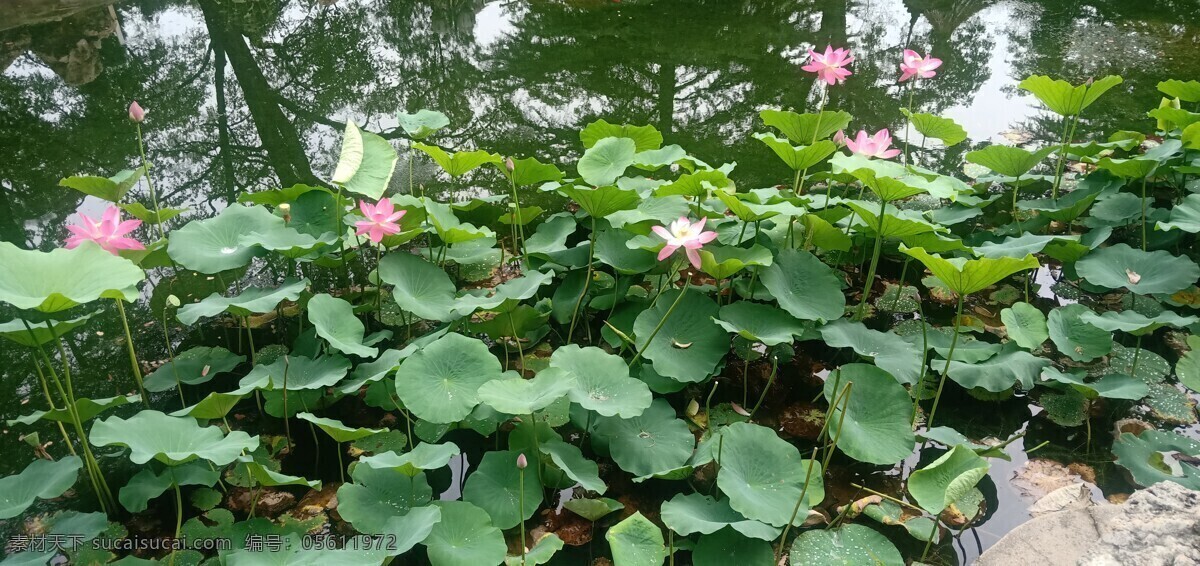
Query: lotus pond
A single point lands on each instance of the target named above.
(426, 337)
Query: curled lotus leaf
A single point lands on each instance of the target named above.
(1159, 455)
(254, 300)
(50, 282)
(215, 244)
(43, 479)
(152, 435)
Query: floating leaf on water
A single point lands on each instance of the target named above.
(1171, 405)
(1120, 266)
(42, 479)
(697, 513)
(849, 544)
(763, 475)
(593, 509)
(1074, 336)
(636, 541)
(946, 479)
(876, 424)
(1146, 458)
(495, 486)
(653, 443)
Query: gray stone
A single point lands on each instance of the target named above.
(1159, 525)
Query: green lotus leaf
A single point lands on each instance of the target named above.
(694, 184)
(542, 552)
(85, 408)
(215, 405)
(1188, 367)
(423, 123)
(42, 479)
(50, 281)
(1135, 168)
(946, 479)
(495, 487)
(459, 163)
(1066, 208)
(798, 158)
(334, 320)
(1020, 246)
(1065, 99)
(895, 224)
(760, 323)
(1154, 456)
(1111, 386)
(337, 430)
(111, 189)
(593, 509)
(139, 211)
(611, 250)
(891, 513)
(722, 262)
(902, 359)
(966, 276)
(606, 160)
(1142, 272)
(849, 544)
(570, 460)
(290, 242)
(1136, 323)
(17, 331)
(192, 367)
(804, 286)
(440, 383)
(650, 211)
(423, 456)
(295, 373)
(146, 484)
(689, 514)
(653, 443)
(1170, 405)
(151, 435)
(530, 171)
(747, 209)
(293, 552)
(824, 235)
(763, 475)
(937, 127)
(727, 546)
(216, 244)
(378, 494)
(1186, 91)
(1117, 210)
(420, 287)
(603, 201)
(1190, 137)
(998, 373)
(465, 535)
(892, 181)
(1026, 325)
(366, 164)
(636, 541)
(526, 396)
(690, 345)
(600, 381)
(551, 235)
(254, 300)
(1184, 216)
(1075, 336)
(804, 128)
(876, 426)
(1008, 160)
(645, 138)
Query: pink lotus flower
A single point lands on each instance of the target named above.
(136, 113)
(522, 461)
(381, 220)
(829, 66)
(915, 65)
(840, 138)
(873, 146)
(684, 234)
(109, 232)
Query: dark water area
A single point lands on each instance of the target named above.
(248, 95)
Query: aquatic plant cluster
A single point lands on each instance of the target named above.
(500, 370)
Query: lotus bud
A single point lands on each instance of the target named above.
(136, 113)
(286, 210)
(173, 301)
(739, 410)
(508, 164)
(521, 461)
(693, 408)
(1089, 81)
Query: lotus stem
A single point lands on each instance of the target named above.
(887, 497)
(150, 185)
(537, 446)
(178, 515)
(253, 497)
(671, 546)
(845, 402)
(341, 465)
(587, 280)
(686, 285)
(812, 460)
(912, 86)
(946, 369)
(932, 534)
(770, 381)
(517, 339)
(521, 504)
(133, 360)
(37, 364)
(745, 380)
(519, 220)
(1137, 353)
(250, 340)
(874, 262)
(900, 284)
(1070, 121)
(816, 133)
(171, 359)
